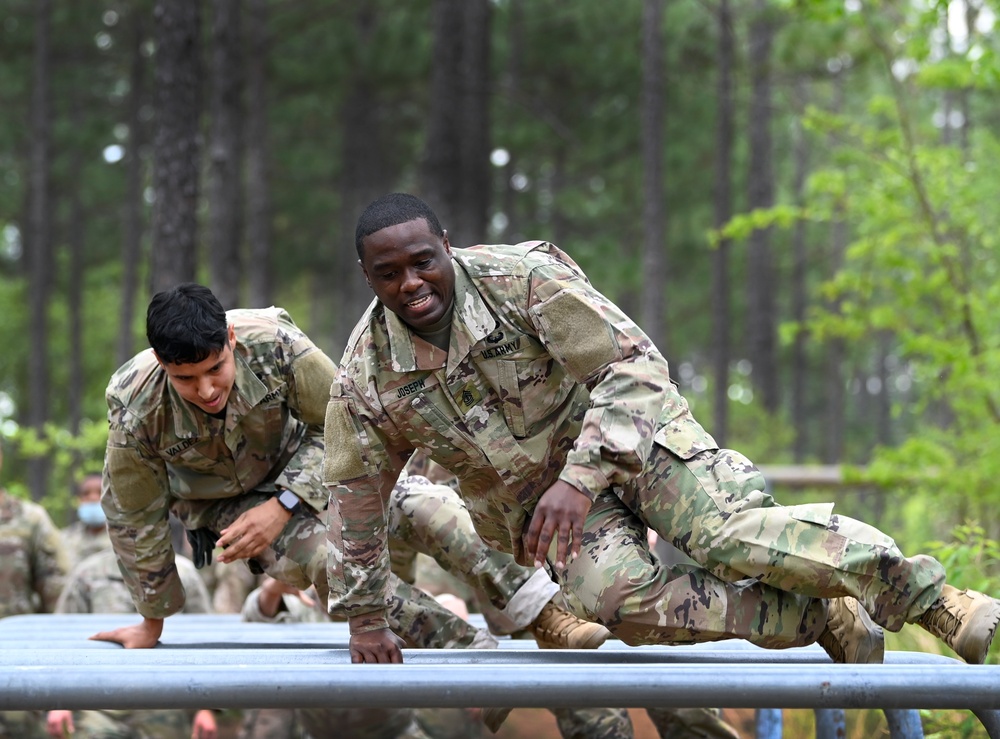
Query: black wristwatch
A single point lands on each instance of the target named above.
(289, 501)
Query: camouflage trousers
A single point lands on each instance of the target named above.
(317, 723)
(141, 724)
(22, 725)
(299, 557)
(763, 570)
(432, 519)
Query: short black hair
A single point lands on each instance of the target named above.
(391, 210)
(186, 324)
(78, 490)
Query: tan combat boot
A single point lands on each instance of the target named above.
(964, 620)
(555, 628)
(850, 635)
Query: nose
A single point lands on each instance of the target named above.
(411, 281)
(205, 389)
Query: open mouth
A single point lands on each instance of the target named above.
(422, 302)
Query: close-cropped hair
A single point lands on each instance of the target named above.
(186, 324)
(391, 210)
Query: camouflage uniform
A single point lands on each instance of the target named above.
(164, 454)
(81, 540)
(399, 723)
(33, 560)
(33, 566)
(96, 586)
(545, 379)
(428, 518)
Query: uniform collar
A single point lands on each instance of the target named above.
(472, 321)
(248, 390)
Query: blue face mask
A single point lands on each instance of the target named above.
(91, 514)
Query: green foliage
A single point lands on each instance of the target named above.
(70, 455)
(971, 558)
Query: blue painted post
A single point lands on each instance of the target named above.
(904, 724)
(768, 722)
(830, 723)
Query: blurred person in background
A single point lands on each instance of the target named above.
(96, 585)
(33, 567)
(89, 533)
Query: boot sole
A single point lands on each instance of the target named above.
(593, 641)
(974, 651)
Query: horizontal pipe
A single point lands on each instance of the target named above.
(126, 686)
(114, 655)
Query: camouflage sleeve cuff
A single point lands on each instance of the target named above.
(587, 480)
(147, 609)
(368, 622)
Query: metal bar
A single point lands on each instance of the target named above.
(46, 661)
(420, 685)
(112, 655)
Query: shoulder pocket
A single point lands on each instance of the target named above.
(684, 436)
(346, 455)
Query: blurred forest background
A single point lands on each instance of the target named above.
(796, 199)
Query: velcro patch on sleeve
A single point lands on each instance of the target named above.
(345, 455)
(576, 333)
(134, 485)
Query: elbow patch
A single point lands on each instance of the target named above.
(576, 333)
(344, 457)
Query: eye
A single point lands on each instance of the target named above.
(425, 263)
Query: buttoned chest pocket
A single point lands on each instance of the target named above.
(204, 457)
(531, 386)
(267, 435)
(453, 442)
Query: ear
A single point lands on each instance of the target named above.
(365, 271)
(158, 360)
(231, 338)
(444, 241)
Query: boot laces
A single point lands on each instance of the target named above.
(553, 622)
(945, 618)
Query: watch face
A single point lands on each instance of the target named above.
(288, 500)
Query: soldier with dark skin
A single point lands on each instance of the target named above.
(558, 416)
(221, 423)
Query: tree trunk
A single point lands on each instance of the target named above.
(362, 178)
(39, 241)
(441, 168)
(474, 114)
(225, 166)
(75, 279)
(454, 173)
(800, 257)
(835, 425)
(176, 154)
(260, 228)
(654, 257)
(761, 314)
(133, 203)
(721, 336)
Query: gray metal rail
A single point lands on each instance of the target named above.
(46, 662)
